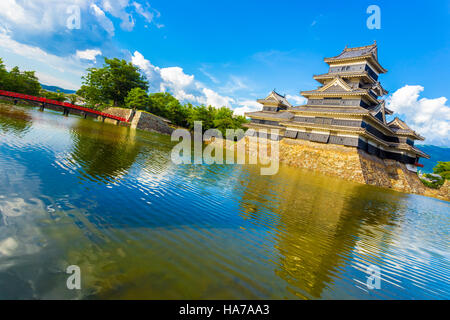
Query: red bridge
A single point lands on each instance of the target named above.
(67, 107)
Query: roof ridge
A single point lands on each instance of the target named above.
(402, 124)
(373, 45)
(273, 91)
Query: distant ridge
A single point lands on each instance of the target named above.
(436, 153)
(55, 89)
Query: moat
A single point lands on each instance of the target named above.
(109, 200)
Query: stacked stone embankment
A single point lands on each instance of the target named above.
(351, 164)
(141, 120)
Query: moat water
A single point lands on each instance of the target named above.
(109, 200)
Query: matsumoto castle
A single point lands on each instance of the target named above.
(344, 110)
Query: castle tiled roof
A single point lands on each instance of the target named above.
(342, 74)
(276, 97)
(370, 52)
(356, 52)
(275, 115)
(400, 127)
(336, 90)
(331, 109)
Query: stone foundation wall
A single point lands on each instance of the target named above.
(149, 122)
(141, 120)
(118, 112)
(352, 164)
(443, 193)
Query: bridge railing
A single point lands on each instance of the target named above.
(59, 103)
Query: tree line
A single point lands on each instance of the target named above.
(26, 82)
(121, 84)
(441, 172)
(18, 81)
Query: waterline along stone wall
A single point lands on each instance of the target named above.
(119, 112)
(350, 164)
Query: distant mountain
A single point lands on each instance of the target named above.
(436, 153)
(55, 89)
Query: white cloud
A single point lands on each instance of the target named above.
(50, 16)
(138, 60)
(148, 16)
(102, 19)
(117, 8)
(62, 64)
(247, 106)
(44, 16)
(209, 75)
(10, 10)
(175, 77)
(183, 86)
(296, 100)
(429, 117)
(31, 15)
(235, 84)
(89, 54)
(126, 11)
(54, 81)
(215, 99)
(66, 67)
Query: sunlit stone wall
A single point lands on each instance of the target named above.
(353, 165)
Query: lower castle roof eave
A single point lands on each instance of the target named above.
(328, 112)
(263, 126)
(339, 94)
(374, 62)
(360, 132)
(331, 75)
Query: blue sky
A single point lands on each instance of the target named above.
(231, 53)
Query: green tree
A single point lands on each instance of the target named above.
(225, 119)
(204, 114)
(58, 95)
(73, 98)
(137, 99)
(111, 83)
(159, 101)
(24, 82)
(165, 105)
(443, 169)
(3, 75)
(178, 114)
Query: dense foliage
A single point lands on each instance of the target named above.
(165, 105)
(18, 81)
(437, 179)
(58, 96)
(137, 99)
(120, 83)
(443, 169)
(111, 83)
